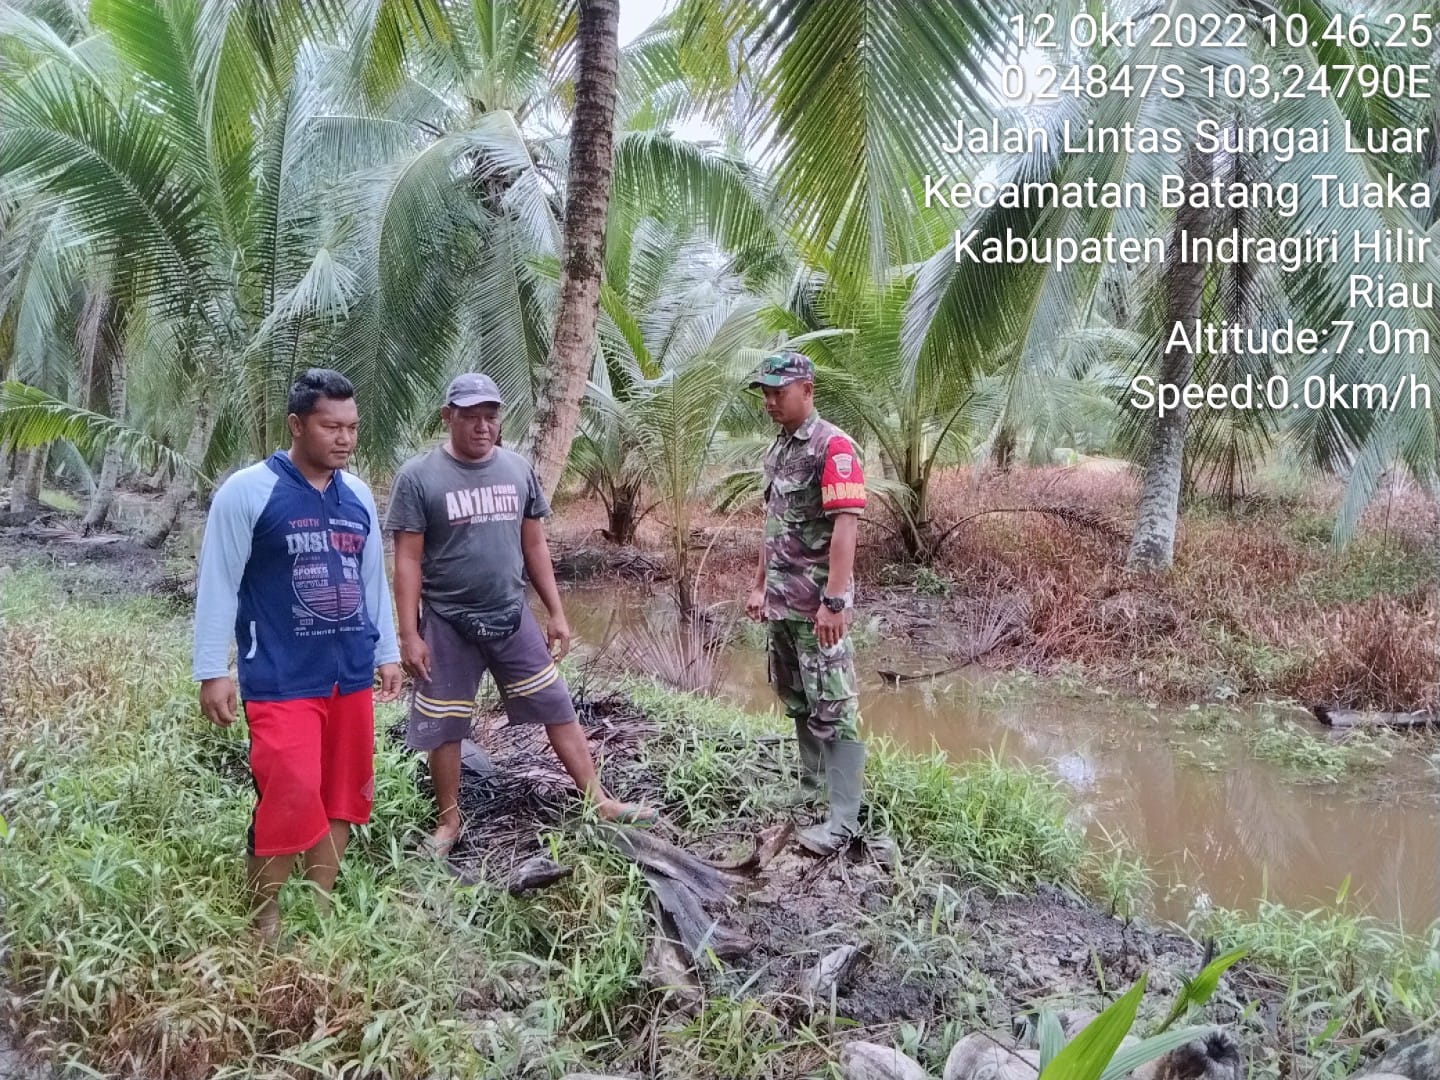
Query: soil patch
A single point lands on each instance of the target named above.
(983, 955)
(106, 564)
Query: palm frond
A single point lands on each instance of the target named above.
(30, 417)
(862, 92)
(121, 180)
(669, 179)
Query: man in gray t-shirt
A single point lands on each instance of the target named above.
(467, 523)
(471, 515)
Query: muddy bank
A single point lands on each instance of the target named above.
(107, 564)
(941, 952)
(1222, 804)
(932, 945)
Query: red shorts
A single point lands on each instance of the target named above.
(313, 760)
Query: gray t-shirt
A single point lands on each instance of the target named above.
(470, 513)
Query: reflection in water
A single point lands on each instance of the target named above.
(1269, 823)
(1224, 837)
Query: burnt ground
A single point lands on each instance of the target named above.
(934, 951)
(107, 564)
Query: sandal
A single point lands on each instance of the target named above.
(439, 849)
(638, 816)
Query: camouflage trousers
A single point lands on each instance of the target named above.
(815, 684)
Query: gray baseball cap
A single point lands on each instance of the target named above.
(472, 388)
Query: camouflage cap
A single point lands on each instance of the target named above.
(783, 368)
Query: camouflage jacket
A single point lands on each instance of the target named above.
(810, 477)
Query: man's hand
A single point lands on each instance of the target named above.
(558, 632)
(755, 604)
(218, 700)
(389, 682)
(829, 626)
(415, 657)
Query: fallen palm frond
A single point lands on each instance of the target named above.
(628, 563)
(1077, 516)
(983, 627)
(525, 786)
(58, 534)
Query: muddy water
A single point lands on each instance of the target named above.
(1217, 826)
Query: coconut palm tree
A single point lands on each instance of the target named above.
(1153, 545)
(935, 412)
(399, 217)
(678, 332)
(1019, 311)
(168, 139)
(587, 196)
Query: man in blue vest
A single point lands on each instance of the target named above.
(292, 570)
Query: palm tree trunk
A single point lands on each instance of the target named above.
(621, 517)
(1002, 452)
(917, 528)
(685, 594)
(182, 484)
(103, 496)
(1152, 548)
(25, 492)
(587, 199)
(7, 465)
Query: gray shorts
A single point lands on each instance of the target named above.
(525, 673)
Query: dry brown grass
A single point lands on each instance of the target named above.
(1257, 603)
(1379, 653)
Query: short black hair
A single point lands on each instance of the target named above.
(315, 384)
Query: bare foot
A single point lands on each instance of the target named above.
(622, 813)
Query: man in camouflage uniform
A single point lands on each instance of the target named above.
(814, 495)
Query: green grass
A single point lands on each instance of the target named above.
(1117, 877)
(1348, 976)
(1311, 527)
(1019, 686)
(1299, 752)
(1304, 754)
(125, 917)
(1001, 823)
(63, 501)
(1372, 566)
(125, 914)
(1248, 664)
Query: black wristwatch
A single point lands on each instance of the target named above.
(836, 604)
